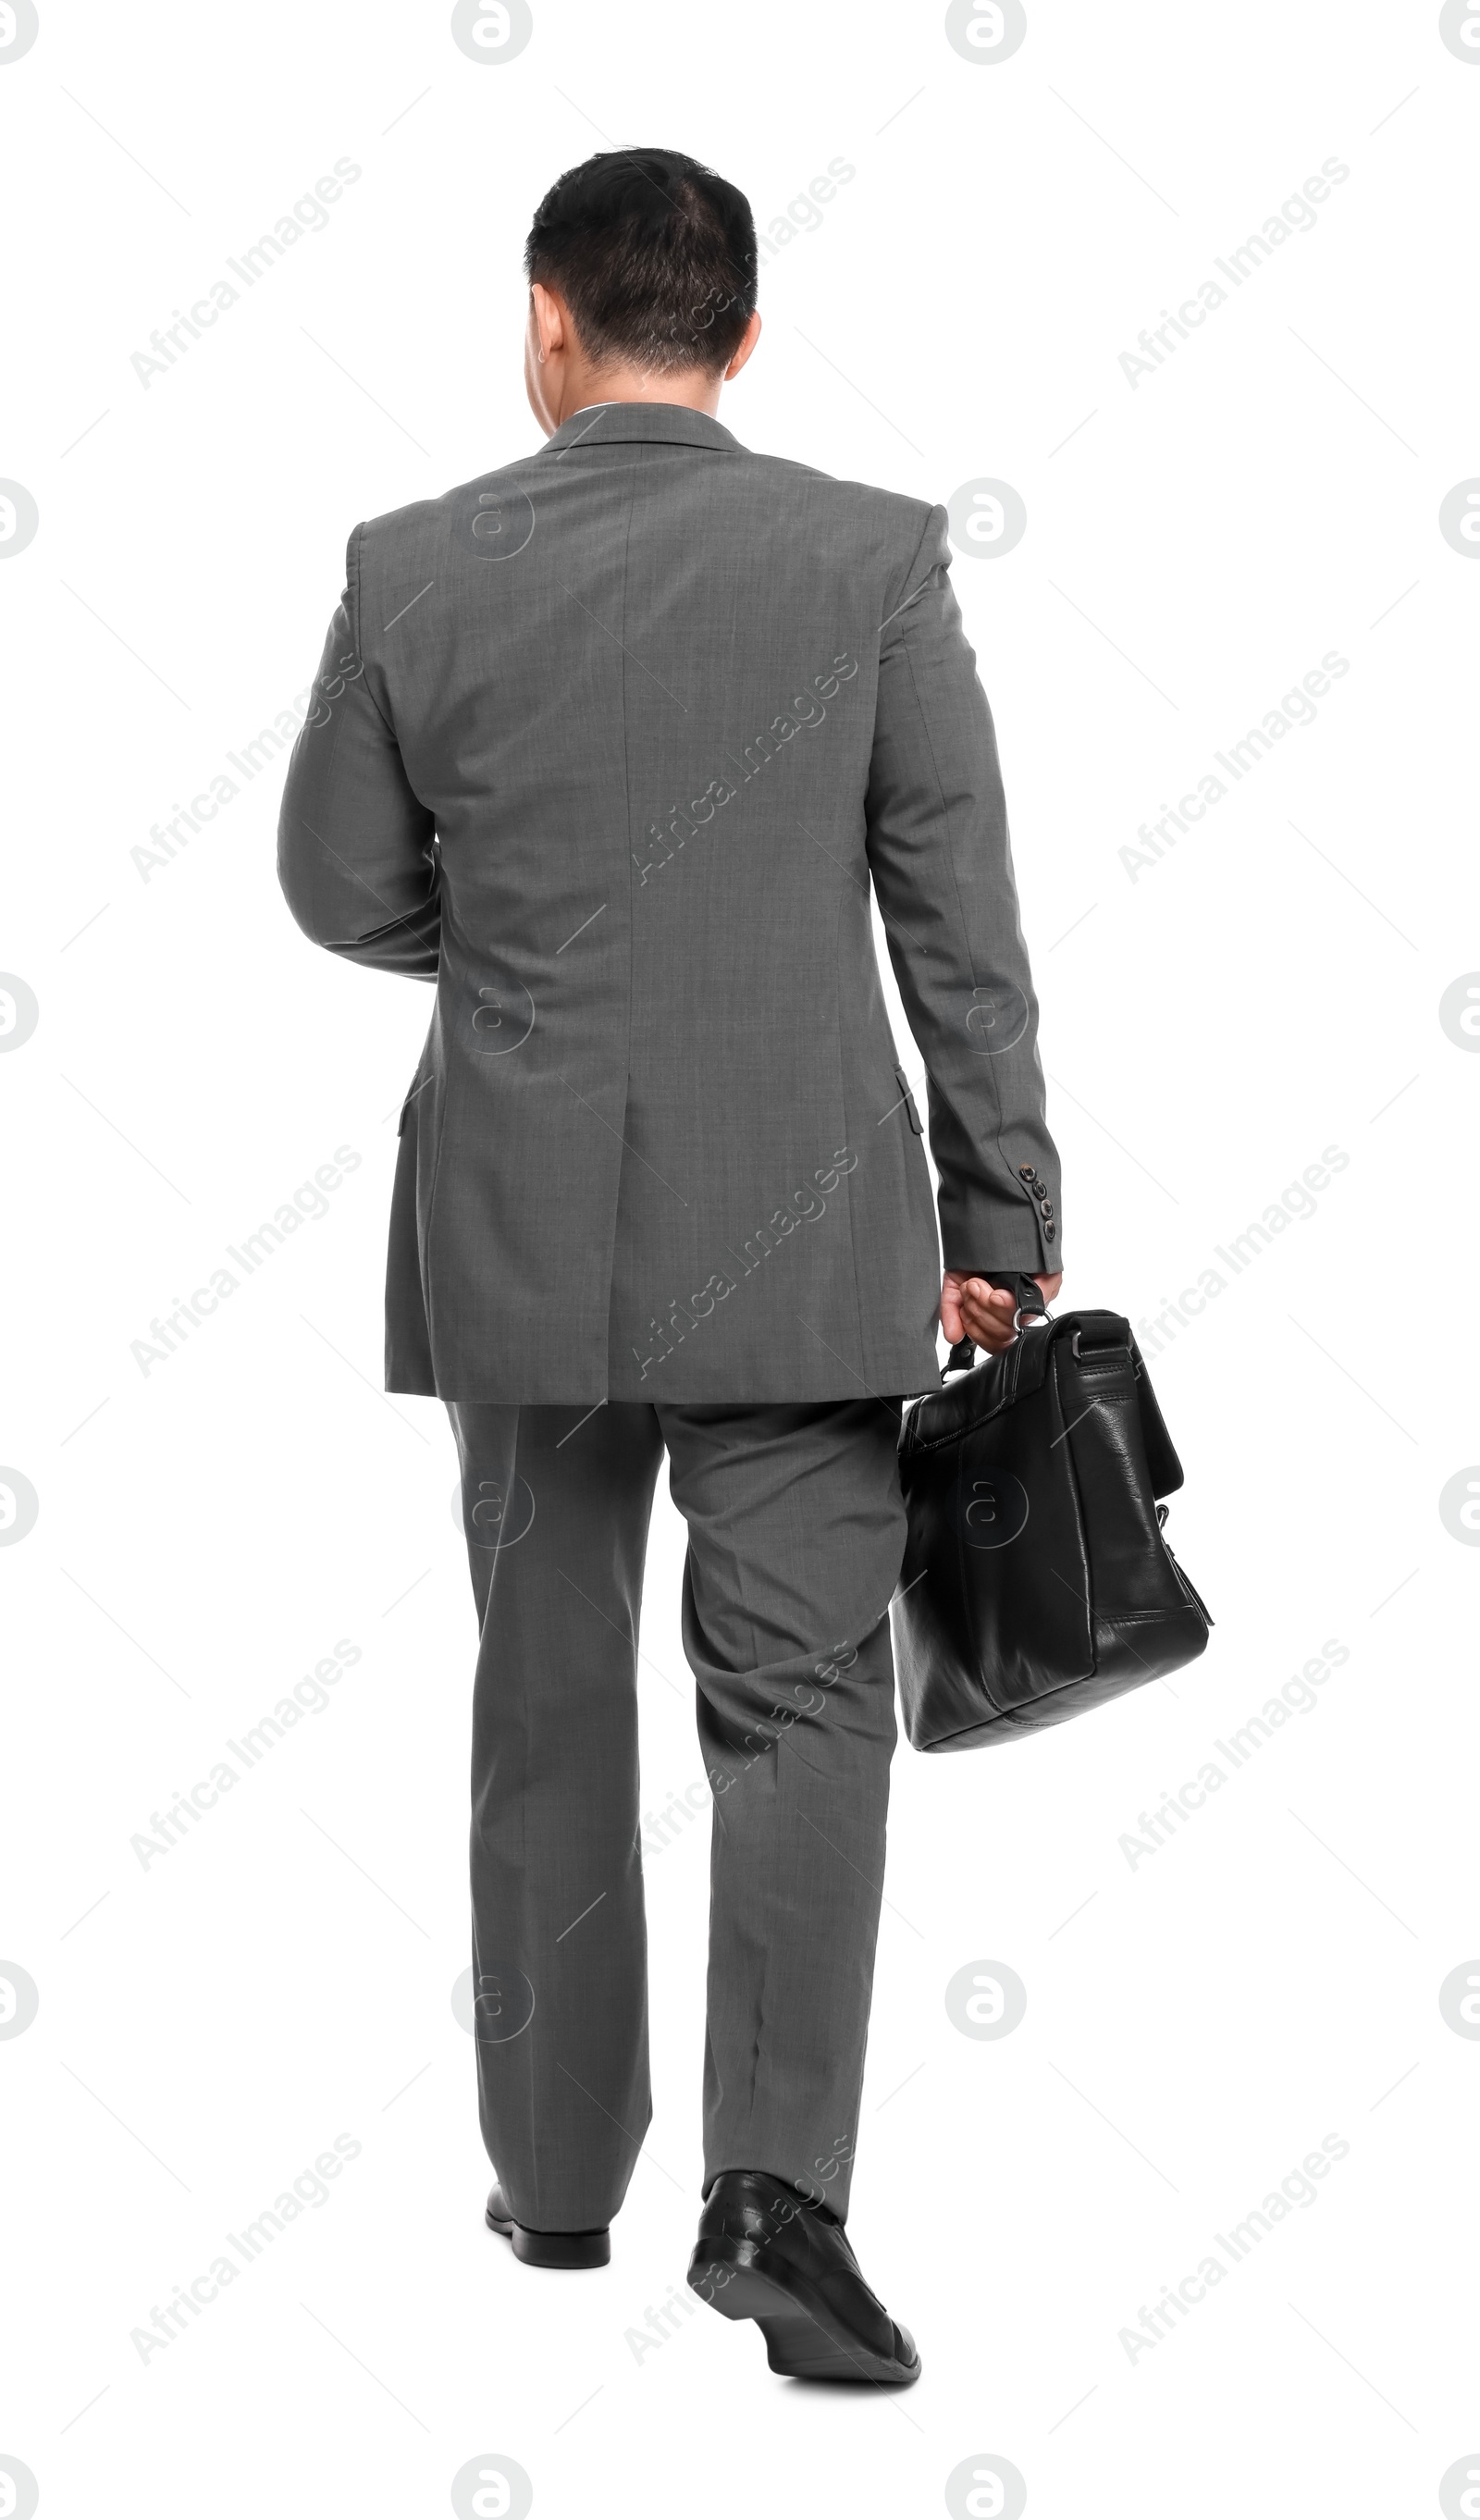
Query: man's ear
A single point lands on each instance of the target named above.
(551, 318)
(748, 341)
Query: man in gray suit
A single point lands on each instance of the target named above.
(615, 745)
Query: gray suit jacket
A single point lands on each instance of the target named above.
(609, 745)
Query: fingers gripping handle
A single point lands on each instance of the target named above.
(1030, 1307)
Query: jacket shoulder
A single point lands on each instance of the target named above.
(889, 523)
(402, 527)
(890, 513)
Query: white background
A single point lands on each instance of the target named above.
(1195, 2023)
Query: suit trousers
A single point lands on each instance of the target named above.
(797, 1531)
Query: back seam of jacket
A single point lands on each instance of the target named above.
(627, 1026)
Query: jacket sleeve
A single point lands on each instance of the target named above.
(942, 870)
(356, 845)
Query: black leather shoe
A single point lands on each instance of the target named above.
(548, 2248)
(763, 2253)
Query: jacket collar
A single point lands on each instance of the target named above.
(651, 423)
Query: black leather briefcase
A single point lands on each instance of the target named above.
(1036, 1580)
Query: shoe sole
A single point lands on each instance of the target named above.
(803, 2341)
(554, 2248)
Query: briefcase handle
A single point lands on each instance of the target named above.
(1030, 1307)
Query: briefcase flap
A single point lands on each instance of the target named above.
(995, 1382)
(1161, 1452)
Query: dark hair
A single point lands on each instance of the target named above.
(654, 255)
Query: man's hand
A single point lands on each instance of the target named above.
(970, 1308)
